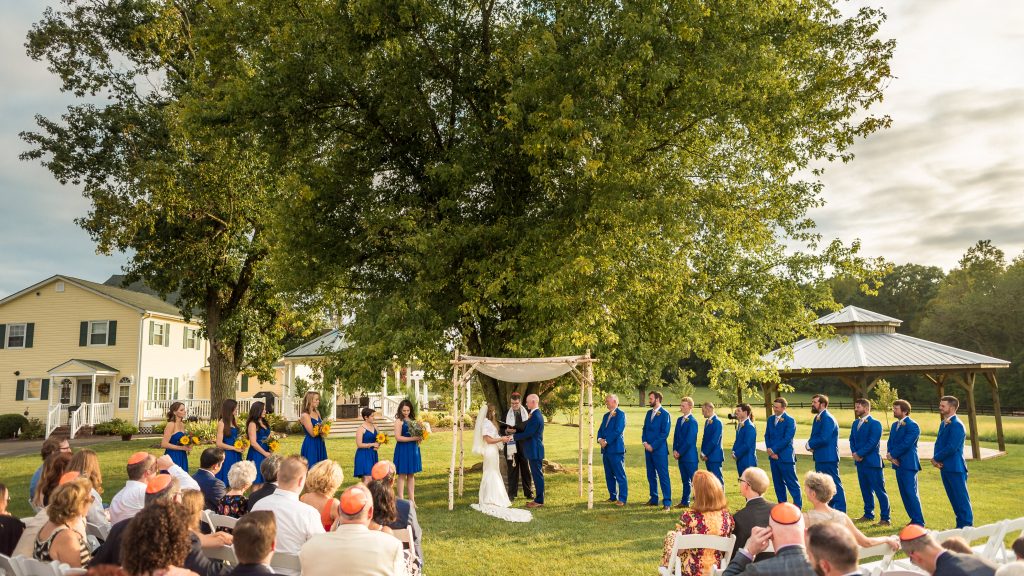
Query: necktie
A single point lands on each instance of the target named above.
(859, 422)
(778, 419)
(653, 414)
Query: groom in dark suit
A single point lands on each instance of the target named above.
(531, 442)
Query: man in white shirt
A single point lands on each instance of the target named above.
(141, 467)
(352, 549)
(297, 521)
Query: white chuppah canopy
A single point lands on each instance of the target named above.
(521, 370)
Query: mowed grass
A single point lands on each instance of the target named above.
(565, 537)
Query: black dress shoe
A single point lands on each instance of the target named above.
(884, 523)
(651, 504)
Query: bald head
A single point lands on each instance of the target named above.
(532, 401)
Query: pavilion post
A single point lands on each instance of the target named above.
(972, 414)
(994, 385)
(462, 445)
(590, 443)
(455, 411)
(767, 388)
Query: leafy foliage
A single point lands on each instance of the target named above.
(10, 424)
(884, 395)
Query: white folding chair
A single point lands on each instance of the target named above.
(33, 567)
(1011, 528)
(946, 534)
(405, 536)
(217, 521)
(993, 535)
(725, 544)
(9, 566)
(877, 567)
(284, 561)
(97, 531)
(222, 553)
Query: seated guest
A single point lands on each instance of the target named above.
(52, 445)
(831, 550)
(254, 542)
(1011, 569)
(87, 463)
(404, 510)
(957, 544)
(11, 528)
(297, 522)
(819, 489)
(384, 512)
(210, 462)
(268, 469)
(141, 467)
(352, 549)
(322, 481)
(54, 467)
(59, 539)
(157, 540)
(193, 501)
(1018, 548)
(753, 484)
(241, 476)
(785, 532)
(921, 548)
(709, 515)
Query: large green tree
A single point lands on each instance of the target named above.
(543, 177)
(189, 200)
(903, 292)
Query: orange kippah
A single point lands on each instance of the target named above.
(353, 501)
(137, 457)
(68, 477)
(785, 514)
(381, 469)
(912, 532)
(158, 483)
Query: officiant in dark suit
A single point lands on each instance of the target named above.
(518, 465)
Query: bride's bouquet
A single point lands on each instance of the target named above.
(419, 429)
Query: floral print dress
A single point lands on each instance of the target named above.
(698, 562)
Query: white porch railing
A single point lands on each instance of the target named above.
(157, 409)
(291, 408)
(53, 418)
(100, 413)
(77, 419)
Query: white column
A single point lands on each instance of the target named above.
(384, 388)
(92, 399)
(469, 396)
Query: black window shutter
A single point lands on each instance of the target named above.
(112, 333)
(30, 332)
(245, 383)
(44, 389)
(19, 392)
(83, 334)
(3, 336)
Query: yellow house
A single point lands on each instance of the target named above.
(76, 353)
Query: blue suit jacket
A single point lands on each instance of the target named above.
(949, 446)
(711, 443)
(745, 447)
(656, 433)
(824, 440)
(212, 487)
(611, 431)
(779, 437)
(531, 439)
(684, 440)
(865, 442)
(903, 444)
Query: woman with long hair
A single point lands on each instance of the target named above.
(366, 446)
(227, 435)
(407, 450)
(157, 539)
(174, 431)
(322, 483)
(709, 515)
(385, 511)
(257, 429)
(87, 463)
(11, 528)
(314, 449)
(54, 467)
(59, 539)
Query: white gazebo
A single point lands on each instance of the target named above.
(521, 370)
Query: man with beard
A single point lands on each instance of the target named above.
(824, 447)
(518, 466)
(949, 459)
(831, 550)
(657, 425)
(902, 452)
(865, 438)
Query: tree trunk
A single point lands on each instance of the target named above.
(223, 359)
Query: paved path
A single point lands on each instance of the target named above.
(925, 450)
(23, 447)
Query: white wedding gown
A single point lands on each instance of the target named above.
(493, 499)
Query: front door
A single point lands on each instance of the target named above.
(84, 391)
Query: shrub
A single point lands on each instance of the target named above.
(431, 418)
(158, 428)
(35, 429)
(108, 428)
(277, 423)
(294, 428)
(11, 423)
(124, 428)
(204, 430)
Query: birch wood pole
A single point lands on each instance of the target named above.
(590, 442)
(455, 408)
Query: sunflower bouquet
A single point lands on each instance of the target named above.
(274, 441)
(382, 438)
(325, 429)
(241, 444)
(316, 430)
(187, 440)
(419, 429)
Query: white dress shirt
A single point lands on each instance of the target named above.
(360, 551)
(297, 521)
(127, 503)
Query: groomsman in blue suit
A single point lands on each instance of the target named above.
(949, 459)
(744, 449)
(684, 447)
(531, 442)
(657, 426)
(824, 446)
(902, 453)
(778, 440)
(613, 450)
(865, 446)
(711, 444)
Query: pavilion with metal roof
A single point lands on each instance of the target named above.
(866, 347)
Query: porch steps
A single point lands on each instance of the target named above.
(63, 431)
(347, 428)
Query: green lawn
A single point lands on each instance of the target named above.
(566, 538)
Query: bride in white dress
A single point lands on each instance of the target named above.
(493, 499)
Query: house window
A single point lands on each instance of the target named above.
(157, 333)
(33, 386)
(124, 392)
(164, 389)
(60, 287)
(191, 339)
(191, 389)
(16, 335)
(98, 333)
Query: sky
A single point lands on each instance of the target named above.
(949, 172)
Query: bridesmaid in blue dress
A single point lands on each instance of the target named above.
(407, 451)
(227, 434)
(366, 445)
(314, 449)
(257, 430)
(173, 432)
